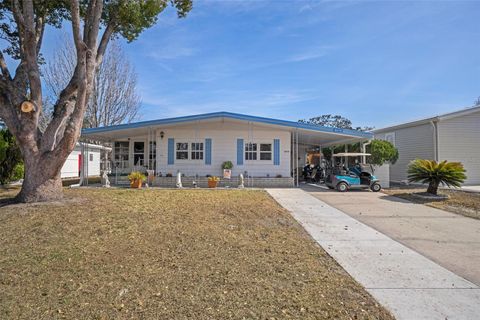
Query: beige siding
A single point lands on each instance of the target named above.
(459, 140)
(412, 143)
(224, 147)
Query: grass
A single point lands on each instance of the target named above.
(168, 254)
(459, 202)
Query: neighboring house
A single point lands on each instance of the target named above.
(92, 155)
(198, 145)
(452, 136)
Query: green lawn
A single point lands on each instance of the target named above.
(168, 254)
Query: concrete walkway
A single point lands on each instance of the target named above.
(405, 282)
(449, 239)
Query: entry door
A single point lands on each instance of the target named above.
(138, 153)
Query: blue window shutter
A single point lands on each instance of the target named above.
(276, 152)
(208, 151)
(171, 151)
(239, 152)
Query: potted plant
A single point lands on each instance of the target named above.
(213, 181)
(136, 178)
(227, 169)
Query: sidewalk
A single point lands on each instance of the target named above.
(408, 284)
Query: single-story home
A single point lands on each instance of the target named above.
(452, 136)
(87, 155)
(265, 150)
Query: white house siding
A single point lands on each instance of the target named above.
(70, 167)
(412, 143)
(224, 148)
(459, 140)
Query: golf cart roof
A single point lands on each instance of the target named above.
(351, 154)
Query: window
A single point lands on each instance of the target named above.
(197, 151)
(182, 151)
(265, 151)
(91, 156)
(189, 151)
(138, 153)
(390, 137)
(258, 151)
(250, 151)
(121, 154)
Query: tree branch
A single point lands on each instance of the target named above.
(31, 56)
(77, 37)
(4, 68)
(102, 47)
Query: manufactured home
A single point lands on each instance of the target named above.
(452, 136)
(267, 151)
(86, 156)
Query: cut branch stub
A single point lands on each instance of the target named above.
(27, 106)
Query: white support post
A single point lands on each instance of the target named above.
(296, 156)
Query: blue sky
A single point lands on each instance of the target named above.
(375, 62)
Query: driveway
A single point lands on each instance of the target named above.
(452, 241)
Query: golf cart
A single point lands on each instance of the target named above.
(360, 176)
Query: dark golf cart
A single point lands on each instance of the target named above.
(358, 176)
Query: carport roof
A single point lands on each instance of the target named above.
(307, 132)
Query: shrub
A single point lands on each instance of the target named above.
(433, 173)
(136, 175)
(10, 158)
(18, 172)
(382, 151)
(227, 165)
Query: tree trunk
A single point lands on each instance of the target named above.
(42, 180)
(433, 187)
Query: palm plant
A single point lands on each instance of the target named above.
(451, 174)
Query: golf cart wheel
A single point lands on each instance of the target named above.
(342, 187)
(376, 187)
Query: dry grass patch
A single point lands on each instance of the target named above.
(168, 254)
(459, 202)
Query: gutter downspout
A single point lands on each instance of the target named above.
(364, 150)
(434, 124)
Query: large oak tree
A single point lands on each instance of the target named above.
(93, 24)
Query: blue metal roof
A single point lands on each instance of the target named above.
(224, 114)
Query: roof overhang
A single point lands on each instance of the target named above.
(307, 133)
(445, 116)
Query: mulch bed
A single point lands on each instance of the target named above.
(459, 202)
(168, 254)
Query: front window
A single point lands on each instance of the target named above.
(251, 151)
(266, 151)
(182, 151)
(197, 151)
(258, 151)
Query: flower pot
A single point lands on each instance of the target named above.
(136, 184)
(212, 183)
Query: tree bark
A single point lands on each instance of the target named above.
(42, 180)
(433, 187)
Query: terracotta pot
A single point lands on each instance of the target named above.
(212, 183)
(136, 184)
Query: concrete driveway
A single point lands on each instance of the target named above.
(451, 240)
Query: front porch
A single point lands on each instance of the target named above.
(202, 182)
